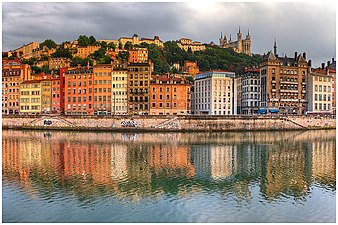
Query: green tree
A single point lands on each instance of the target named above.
(48, 43)
(120, 46)
(111, 45)
(62, 52)
(83, 41)
(128, 45)
(92, 40)
(123, 56)
(98, 54)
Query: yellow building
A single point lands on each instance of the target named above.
(60, 62)
(46, 96)
(119, 91)
(30, 98)
(25, 51)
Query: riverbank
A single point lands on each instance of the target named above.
(168, 123)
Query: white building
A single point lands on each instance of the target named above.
(320, 92)
(119, 92)
(214, 93)
(250, 92)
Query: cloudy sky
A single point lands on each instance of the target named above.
(302, 27)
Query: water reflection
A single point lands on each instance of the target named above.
(133, 167)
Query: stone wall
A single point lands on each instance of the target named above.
(170, 123)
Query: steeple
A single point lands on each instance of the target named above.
(230, 38)
(275, 48)
(221, 35)
(248, 35)
(239, 29)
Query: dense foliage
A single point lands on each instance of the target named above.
(84, 41)
(213, 58)
(48, 43)
(62, 52)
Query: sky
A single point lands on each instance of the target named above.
(300, 26)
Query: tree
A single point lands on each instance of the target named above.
(128, 45)
(83, 62)
(62, 52)
(111, 45)
(120, 46)
(83, 41)
(103, 44)
(123, 56)
(48, 43)
(98, 54)
(92, 40)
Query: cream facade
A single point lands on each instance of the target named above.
(185, 44)
(119, 93)
(320, 92)
(215, 93)
(30, 97)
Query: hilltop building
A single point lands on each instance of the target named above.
(239, 46)
(186, 44)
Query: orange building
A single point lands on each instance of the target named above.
(84, 52)
(102, 89)
(56, 101)
(190, 68)
(138, 55)
(169, 95)
(79, 93)
(13, 74)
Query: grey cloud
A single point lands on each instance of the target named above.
(302, 27)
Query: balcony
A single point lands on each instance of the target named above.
(291, 91)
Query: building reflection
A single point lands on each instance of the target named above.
(130, 166)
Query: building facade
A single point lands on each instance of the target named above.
(13, 74)
(190, 68)
(239, 94)
(239, 46)
(25, 51)
(46, 96)
(57, 63)
(186, 44)
(119, 92)
(135, 40)
(169, 95)
(284, 83)
(320, 91)
(84, 52)
(215, 93)
(138, 55)
(250, 91)
(30, 98)
(79, 92)
(138, 88)
(102, 89)
(56, 96)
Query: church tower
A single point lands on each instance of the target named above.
(247, 44)
(239, 40)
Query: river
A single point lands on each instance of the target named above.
(169, 177)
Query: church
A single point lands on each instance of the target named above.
(239, 46)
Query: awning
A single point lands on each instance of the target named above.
(262, 111)
(274, 110)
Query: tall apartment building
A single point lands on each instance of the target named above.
(46, 95)
(284, 83)
(250, 91)
(138, 55)
(138, 88)
(102, 89)
(169, 95)
(56, 96)
(320, 91)
(186, 44)
(30, 98)
(119, 91)
(13, 74)
(239, 94)
(215, 93)
(79, 92)
(239, 46)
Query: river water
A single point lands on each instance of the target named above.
(169, 177)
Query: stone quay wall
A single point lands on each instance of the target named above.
(169, 123)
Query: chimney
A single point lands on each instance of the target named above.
(304, 55)
(310, 66)
(296, 55)
(323, 65)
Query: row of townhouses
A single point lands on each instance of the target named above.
(279, 85)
